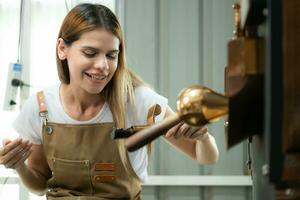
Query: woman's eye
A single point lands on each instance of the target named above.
(89, 53)
(112, 56)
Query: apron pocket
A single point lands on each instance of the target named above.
(72, 174)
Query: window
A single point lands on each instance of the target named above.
(39, 36)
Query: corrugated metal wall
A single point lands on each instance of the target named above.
(172, 44)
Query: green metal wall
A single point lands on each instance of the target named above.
(172, 44)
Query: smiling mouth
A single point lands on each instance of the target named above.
(95, 77)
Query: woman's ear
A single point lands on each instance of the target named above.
(61, 49)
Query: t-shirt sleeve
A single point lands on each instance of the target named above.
(28, 123)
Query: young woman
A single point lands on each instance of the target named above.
(66, 129)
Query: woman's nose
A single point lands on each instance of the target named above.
(101, 63)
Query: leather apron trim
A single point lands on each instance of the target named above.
(104, 178)
(43, 112)
(104, 167)
(154, 111)
(41, 102)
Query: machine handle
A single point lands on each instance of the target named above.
(147, 135)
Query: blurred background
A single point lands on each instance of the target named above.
(171, 44)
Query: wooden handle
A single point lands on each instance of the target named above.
(147, 135)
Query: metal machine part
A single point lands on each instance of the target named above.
(196, 105)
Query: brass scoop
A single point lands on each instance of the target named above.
(196, 105)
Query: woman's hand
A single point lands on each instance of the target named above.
(194, 141)
(190, 132)
(14, 153)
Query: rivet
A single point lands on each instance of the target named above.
(49, 130)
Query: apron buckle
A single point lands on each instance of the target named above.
(44, 116)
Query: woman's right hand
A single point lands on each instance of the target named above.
(13, 153)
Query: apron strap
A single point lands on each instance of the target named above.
(152, 113)
(43, 112)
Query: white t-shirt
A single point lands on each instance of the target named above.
(29, 124)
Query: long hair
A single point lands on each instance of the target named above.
(120, 89)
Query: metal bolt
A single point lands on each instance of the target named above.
(290, 192)
(265, 169)
(226, 123)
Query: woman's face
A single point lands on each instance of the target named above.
(92, 60)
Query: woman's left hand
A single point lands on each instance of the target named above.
(187, 131)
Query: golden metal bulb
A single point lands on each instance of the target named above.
(199, 105)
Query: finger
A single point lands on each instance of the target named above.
(3, 149)
(200, 133)
(12, 162)
(191, 132)
(16, 158)
(22, 160)
(9, 146)
(11, 154)
(5, 141)
(12, 150)
(182, 131)
(27, 144)
(204, 129)
(173, 130)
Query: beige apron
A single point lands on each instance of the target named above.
(85, 162)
